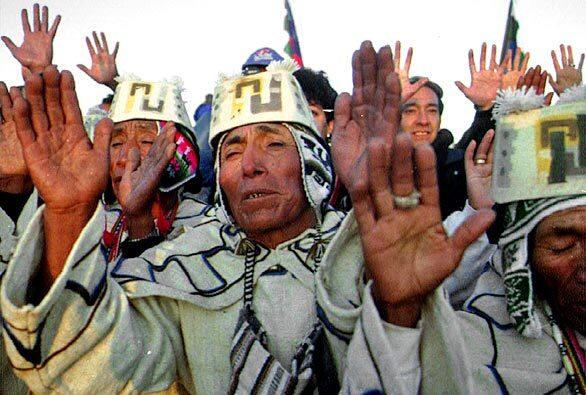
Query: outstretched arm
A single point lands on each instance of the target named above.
(406, 250)
(36, 51)
(69, 171)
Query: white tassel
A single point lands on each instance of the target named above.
(515, 101)
(284, 65)
(127, 77)
(573, 94)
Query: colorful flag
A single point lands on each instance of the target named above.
(292, 48)
(510, 40)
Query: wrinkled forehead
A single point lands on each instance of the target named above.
(135, 126)
(242, 134)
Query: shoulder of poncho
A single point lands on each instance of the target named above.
(488, 300)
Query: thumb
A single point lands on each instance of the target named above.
(26, 73)
(462, 88)
(420, 83)
(102, 135)
(84, 69)
(11, 46)
(548, 98)
(474, 226)
(132, 162)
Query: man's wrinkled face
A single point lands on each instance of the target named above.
(260, 175)
(420, 116)
(319, 117)
(559, 260)
(139, 134)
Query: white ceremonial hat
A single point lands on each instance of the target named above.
(270, 96)
(539, 153)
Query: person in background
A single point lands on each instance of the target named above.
(321, 98)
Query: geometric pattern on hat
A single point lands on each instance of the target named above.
(511, 260)
(270, 96)
(161, 102)
(156, 101)
(544, 148)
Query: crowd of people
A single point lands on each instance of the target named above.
(295, 240)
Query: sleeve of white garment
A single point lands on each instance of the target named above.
(461, 282)
(86, 336)
(338, 289)
(428, 359)
(381, 356)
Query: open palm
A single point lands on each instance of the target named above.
(36, 50)
(12, 163)
(364, 114)
(66, 169)
(103, 69)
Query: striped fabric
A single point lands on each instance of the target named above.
(254, 369)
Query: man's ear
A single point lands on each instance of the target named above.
(330, 126)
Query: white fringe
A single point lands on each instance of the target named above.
(573, 94)
(515, 101)
(288, 64)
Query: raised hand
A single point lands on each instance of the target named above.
(12, 163)
(370, 111)
(485, 82)
(567, 74)
(68, 171)
(407, 88)
(141, 178)
(65, 168)
(406, 250)
(103, 69)
(36, 51)
(479, 171)
(515, 67)
(536, 79)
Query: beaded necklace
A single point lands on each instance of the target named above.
(571, 352)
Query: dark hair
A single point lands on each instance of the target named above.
(439, 92)
(108, 99)
(317, 89)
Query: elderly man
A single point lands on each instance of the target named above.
(146, 173)
(231, 303)
(523, 329)
(228, 304)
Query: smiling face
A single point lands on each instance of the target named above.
(559, 260)
(260, 175)
(139, 134)
(420, 116)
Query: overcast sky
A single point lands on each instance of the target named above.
(197, 39)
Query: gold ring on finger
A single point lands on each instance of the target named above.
(479, 161)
